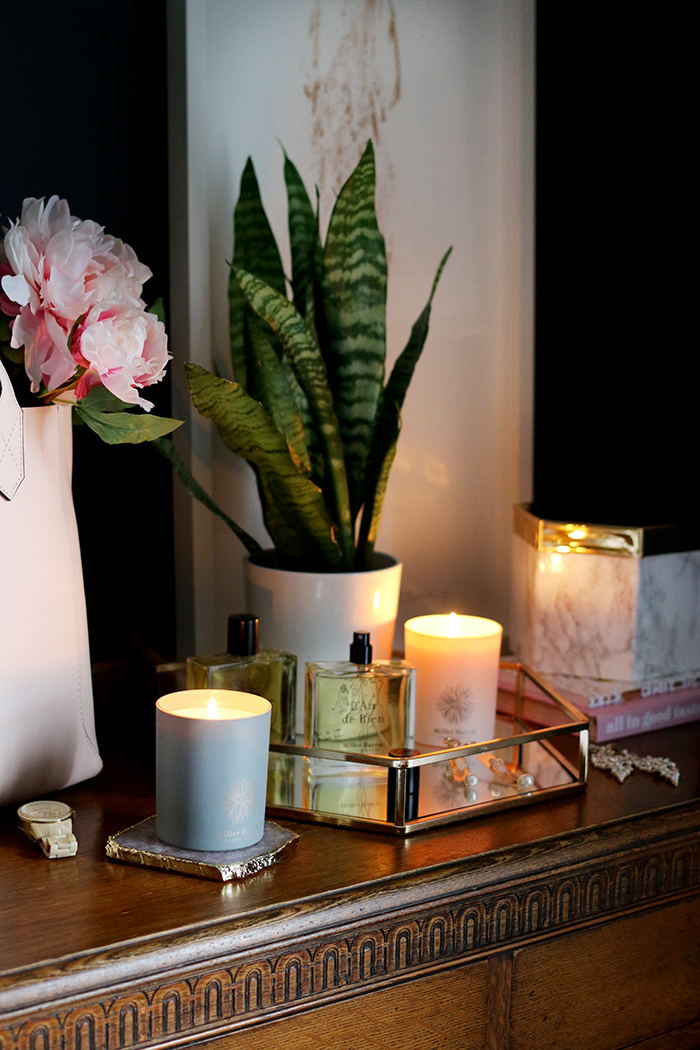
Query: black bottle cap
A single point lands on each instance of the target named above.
(360, 650)
(242, 635)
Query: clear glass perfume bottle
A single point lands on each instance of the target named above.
(360, 705)
(268, 672)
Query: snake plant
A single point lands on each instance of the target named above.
(309, 408)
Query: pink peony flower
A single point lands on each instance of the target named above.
(59, 268)
(123, 348)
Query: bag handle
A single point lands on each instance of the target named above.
(11, 438)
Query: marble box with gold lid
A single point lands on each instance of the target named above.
(610, 602)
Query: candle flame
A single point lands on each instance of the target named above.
(452, 625)
(212, 709)
(376, 599)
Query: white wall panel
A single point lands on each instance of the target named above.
(445, 90)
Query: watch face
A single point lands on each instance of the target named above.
(44, 812)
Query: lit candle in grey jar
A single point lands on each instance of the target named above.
(212, 750)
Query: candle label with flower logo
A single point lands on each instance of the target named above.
(454, 707)
(241, 799)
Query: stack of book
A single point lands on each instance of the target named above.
(614, 709)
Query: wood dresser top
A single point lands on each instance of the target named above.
(73, 927)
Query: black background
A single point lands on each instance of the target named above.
(615, 349)
(84, 116)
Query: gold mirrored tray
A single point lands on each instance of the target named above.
(525, 763)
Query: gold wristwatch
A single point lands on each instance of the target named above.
(50, 825)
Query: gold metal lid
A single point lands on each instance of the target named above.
(622, 541)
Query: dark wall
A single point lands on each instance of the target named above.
(84, 117)
(615, 348)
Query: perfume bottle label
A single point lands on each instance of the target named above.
(364, 713)
(363, 709)
(351, 712)
(357, 709)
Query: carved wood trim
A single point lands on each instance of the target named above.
(336, 963)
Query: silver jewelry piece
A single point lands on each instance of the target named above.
(621, 763)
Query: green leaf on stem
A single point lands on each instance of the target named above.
(157, 307)
(104, 414)
(166, 447)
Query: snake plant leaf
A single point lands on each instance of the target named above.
(166, 447)
(296, 514)
(388, 425)
(295, 548)
(273, 391)
(354, 307)
(305, 246)
(254, 249)
(372, 511)
(313, 445)
(314, 316)
(314, 322)
(305, 358)
(402, 372)
(303, 236)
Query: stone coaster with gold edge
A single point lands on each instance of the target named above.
(50, 826)
(139, 844)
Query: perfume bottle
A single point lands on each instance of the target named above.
(359, 705)
(269, 673)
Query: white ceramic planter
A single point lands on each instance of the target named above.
(314, 614)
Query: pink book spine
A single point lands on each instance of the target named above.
(643, 716)
(613, 721)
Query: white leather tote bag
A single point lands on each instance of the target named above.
(47, 721)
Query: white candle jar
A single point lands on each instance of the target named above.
(456, 660)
